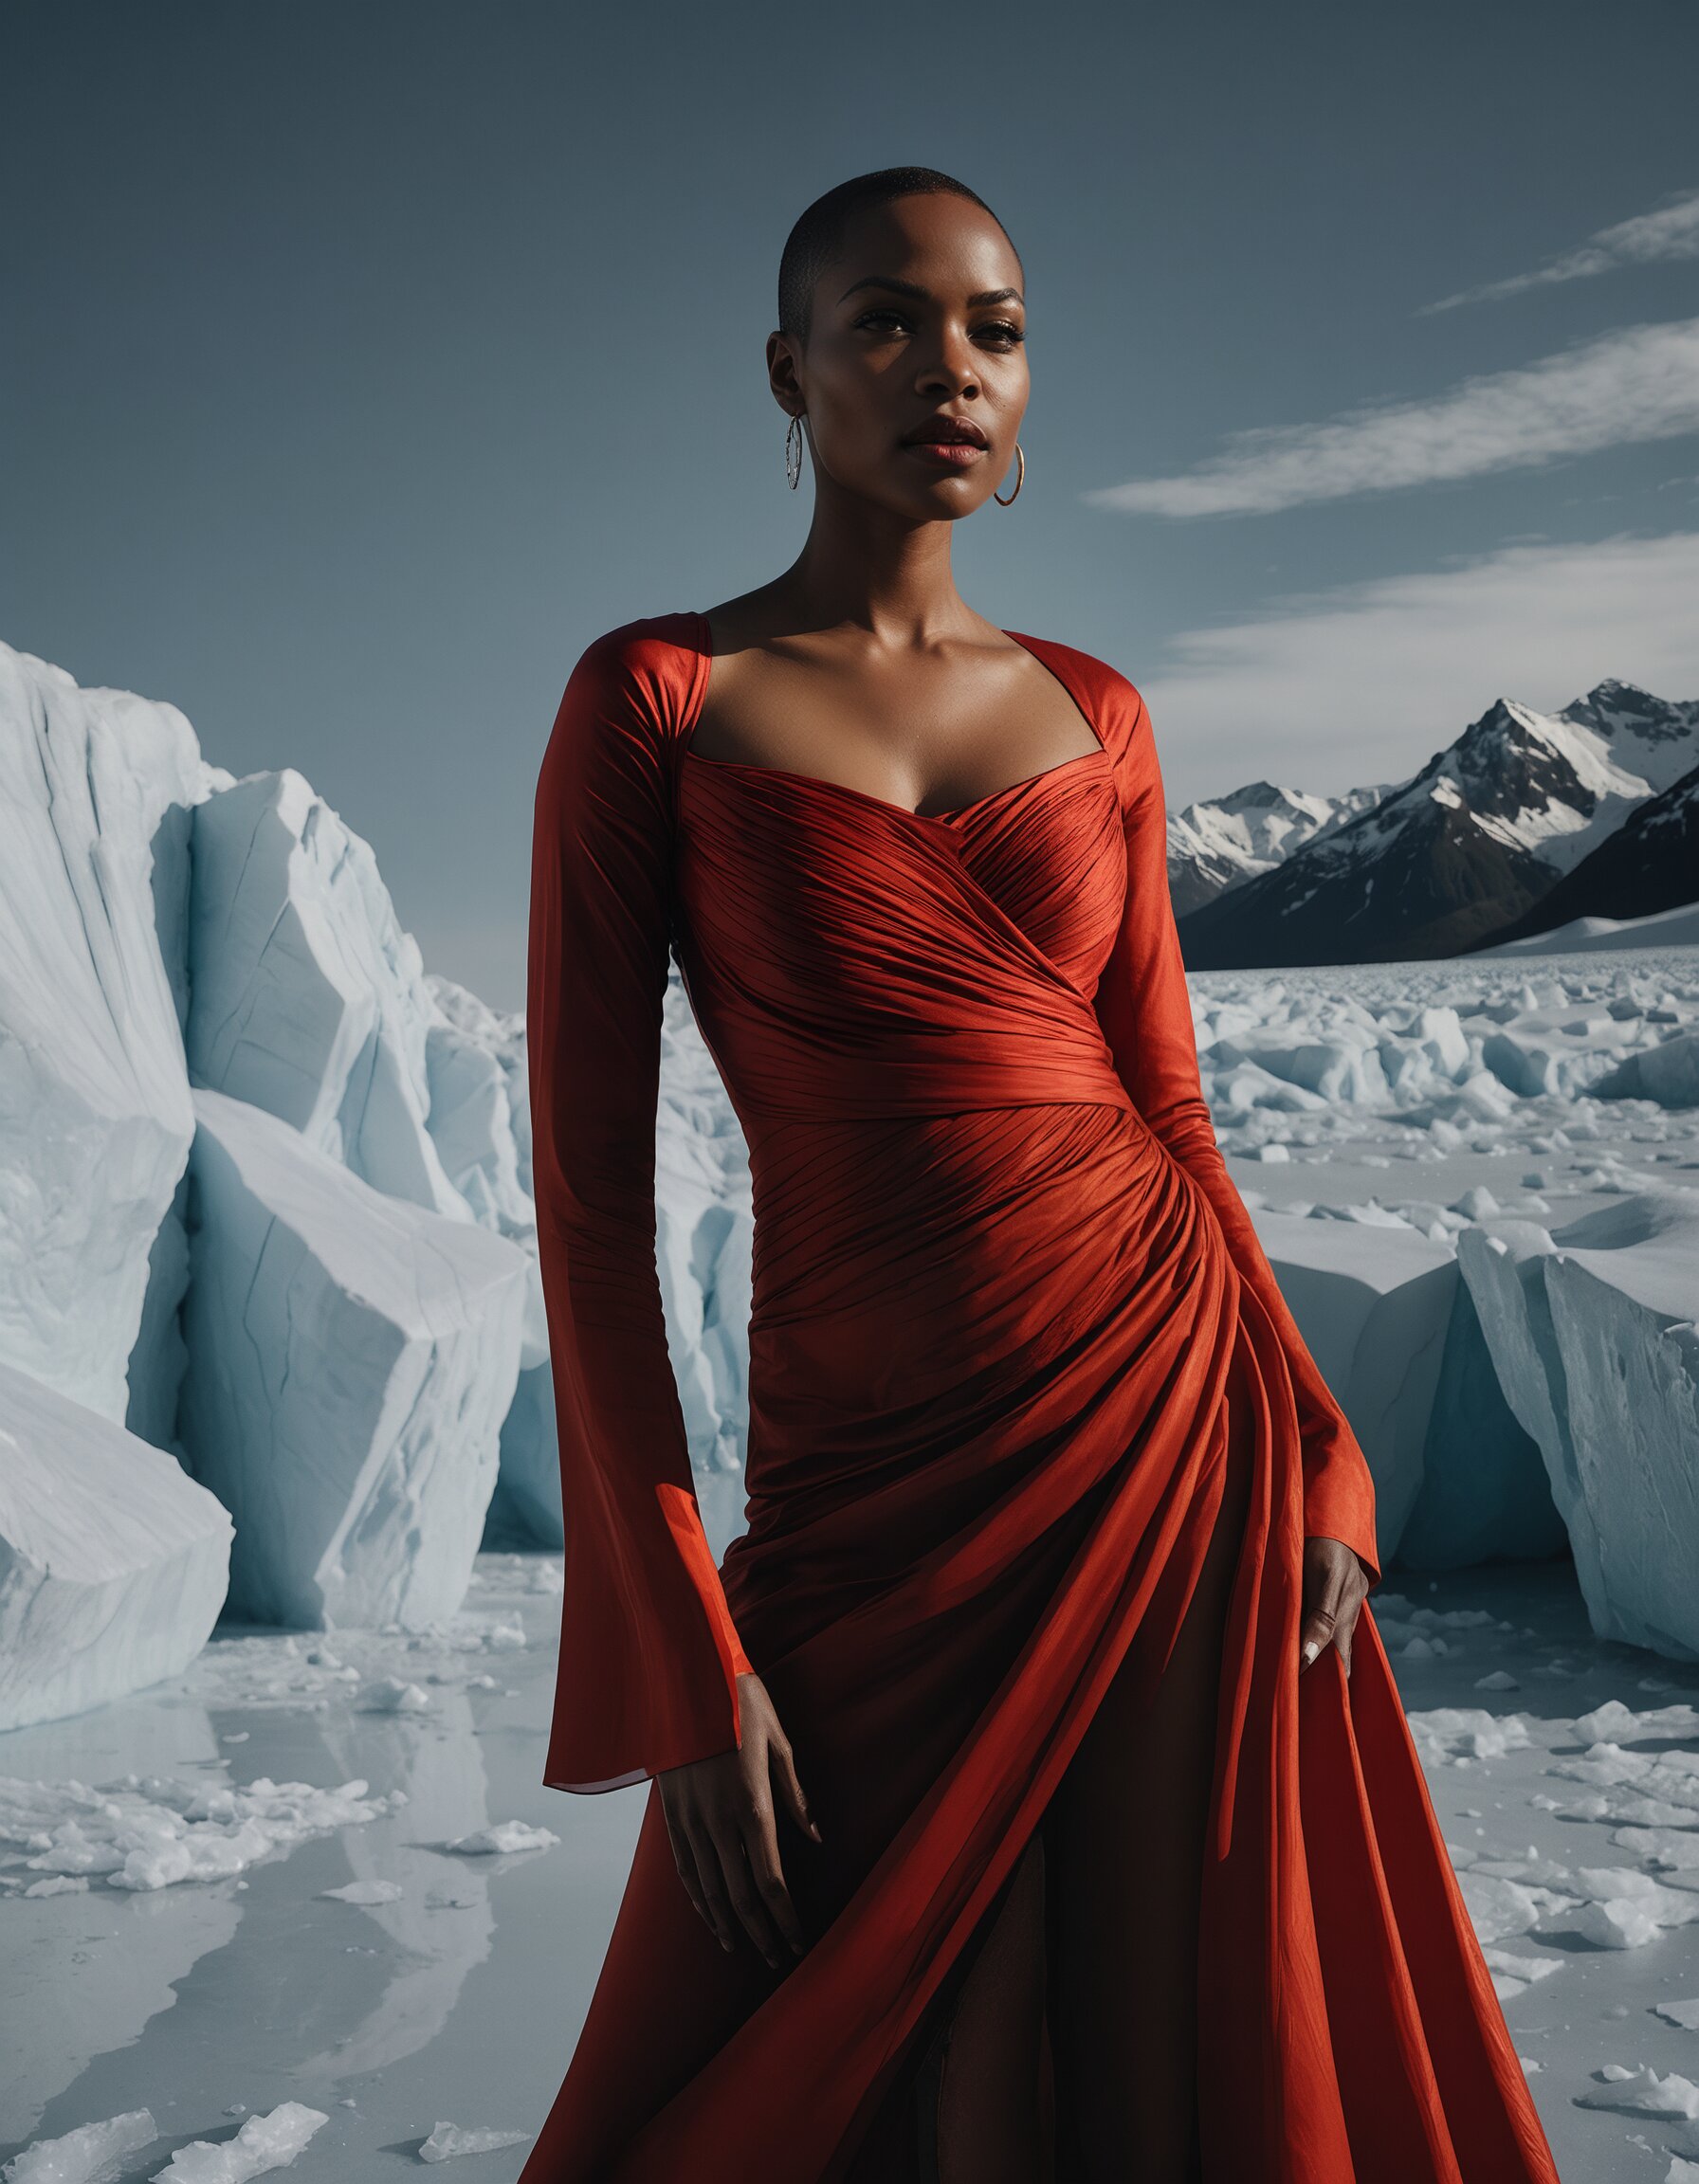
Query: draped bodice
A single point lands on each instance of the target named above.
(848, 957)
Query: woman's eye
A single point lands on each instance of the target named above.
(1004, 330)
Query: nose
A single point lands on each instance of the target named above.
(955, 367)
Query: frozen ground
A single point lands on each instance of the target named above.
(1383, 1071)
(289, 1924)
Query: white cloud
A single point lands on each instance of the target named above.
(1636, 384)
(1365, 683)
(1671, 231)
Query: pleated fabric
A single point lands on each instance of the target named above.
(1004, 1295)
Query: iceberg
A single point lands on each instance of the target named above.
(351, 1358)
(481, 1121)
(94, 1120)
(309, 999)
(1593, 1335)
(114, 1563)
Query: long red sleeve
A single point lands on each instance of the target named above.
(649, 1654)
(1145, 1012)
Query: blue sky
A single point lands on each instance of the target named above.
(363, 361)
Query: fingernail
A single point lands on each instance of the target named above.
(1310, 1652)
(814, 1832)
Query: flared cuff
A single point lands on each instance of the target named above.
(1339, 1494)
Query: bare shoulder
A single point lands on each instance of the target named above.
(747, 621)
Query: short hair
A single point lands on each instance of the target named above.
(815, 239)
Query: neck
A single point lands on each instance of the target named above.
(863, 568)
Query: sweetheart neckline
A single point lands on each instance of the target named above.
(704, 658)
(887, 804)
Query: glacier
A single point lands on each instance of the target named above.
(1592, 1333)
(98, 788)
(351, 1358)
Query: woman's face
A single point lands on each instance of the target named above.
(919, 314)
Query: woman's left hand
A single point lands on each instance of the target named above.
(1335, 1587)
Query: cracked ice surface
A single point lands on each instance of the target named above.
(351, 1358)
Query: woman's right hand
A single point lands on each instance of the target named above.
(722, 1824)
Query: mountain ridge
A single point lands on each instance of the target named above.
(1458, 856)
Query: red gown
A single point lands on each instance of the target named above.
(1003, 1286)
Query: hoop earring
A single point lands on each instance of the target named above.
(794, 470)
(1020, 478)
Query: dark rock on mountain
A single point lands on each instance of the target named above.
(1649, 863)
(1466, 848)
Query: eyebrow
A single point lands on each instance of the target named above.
(924, 295)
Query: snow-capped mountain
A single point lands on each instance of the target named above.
(1466, 847)
(1649, 863)
(1216, 845)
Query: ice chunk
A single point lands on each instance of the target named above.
(352, 1356)
(1373, 1304)
(1686, 2015)
(1667, 1073)
(146, 1833)
(1615, 1724)
(448, 2142)
(507, 1835)
(1672, 1850)
(1452, 1732)
(308, 998)
(391, 1695)
(1593, 1335)
(114, 1563)
(1643, 2093)
(95, 1121)
(1499, 1908)
(480, 1106)
(263, 2142)
(480, 1121)
(96, 2154)
(1514, 1973)
(1626, 1921)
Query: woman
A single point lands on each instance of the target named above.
(1011, 1817)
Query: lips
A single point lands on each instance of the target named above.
(946, 432)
